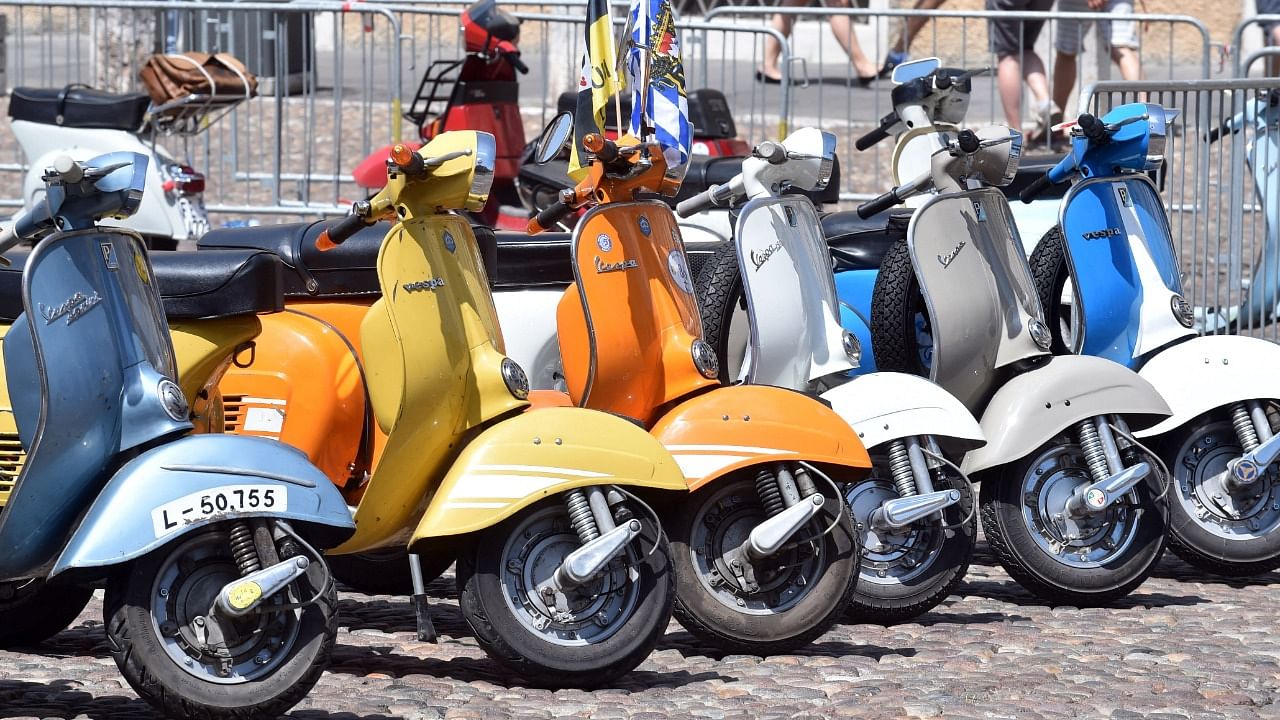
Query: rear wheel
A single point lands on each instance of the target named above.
(582, 637)
(799, 592)
(901, 330)
(32, 611)
(1087, 562)
(164, 633)
(723, 308)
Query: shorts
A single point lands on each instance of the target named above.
(1268, 7)
(1008, 37)
(1120, 33)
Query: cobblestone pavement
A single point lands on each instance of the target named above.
(1186, 645)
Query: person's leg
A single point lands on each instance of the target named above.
(772, 49)
(1067, 42)
(902, 41)
(842, 28)
(1009, 83)
(1064, 78)
(1125, 40)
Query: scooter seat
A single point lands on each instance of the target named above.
(79, 107)
(350, 269)
(860, 244)
(193, 285)
(529, 261)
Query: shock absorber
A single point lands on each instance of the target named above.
(580, 517)
(1243, 423)
(900, 469)
(1094, 454)
(242, 548)
(770, 493)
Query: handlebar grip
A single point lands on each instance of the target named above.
(697, 203)
(879, 204)
(548, 217)
(1032, 191)
(340, 232)
(516, 62)
(879, 133)
(1216, 134)
(1093, 128)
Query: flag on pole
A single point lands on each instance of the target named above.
(597, 83)
(654, 68)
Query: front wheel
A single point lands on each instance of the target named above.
(1226, 530)
(1083, 562)
(32, 611)
(771, 605)
(581, 637)
(191, 661)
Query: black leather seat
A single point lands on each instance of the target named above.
(861, 244)
(79, 107)
(351, 269)
(193, 285)
(531, 261)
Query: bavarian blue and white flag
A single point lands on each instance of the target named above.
(653, 28)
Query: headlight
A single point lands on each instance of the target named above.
(852, 348)
(704, 358)
(517, 382)
(1040, 334)
(1182, 310)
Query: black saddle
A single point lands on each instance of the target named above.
(79, 106)
(861, 244)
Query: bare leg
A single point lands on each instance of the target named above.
(914, 25)
(1064, 78)
(1033, 73)
(772, 49)
(1127, 59)
(843, 29)
(1009, 82)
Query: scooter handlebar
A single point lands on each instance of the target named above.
(516, 62)
(1032, 191)
(548, 217)
(714, 196)
(340, 232)
(880, 133)
(879, 204)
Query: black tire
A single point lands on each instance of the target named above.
(896, 305)
(139, 648)
(824, 600)
(719, 292)
(385, 572)
(1001, 502)
(879, 599)
(1050, 271)
(484, 601)
(32, 611)
(1188, 537)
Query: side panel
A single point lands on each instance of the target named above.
(543, 452)
(743, 425)
(1033, 407)
(856, 288)
(791, 297)
(978, 289)
(528, 319)
(1123, 268)
(1204, 373)
(628, 325)
(890, 406)
(203, 350)
(144, 505)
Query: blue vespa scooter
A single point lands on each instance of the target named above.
(218, 602)
(1109, 279)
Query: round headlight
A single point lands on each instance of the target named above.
(704, 358)
(1040, 334)
(173, 401)
(517, 382)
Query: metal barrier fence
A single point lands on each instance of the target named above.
(1222, 192)
(826, 91)
(1242, 63)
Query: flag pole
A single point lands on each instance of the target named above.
(617, 69)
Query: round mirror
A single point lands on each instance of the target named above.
(554, 138)
(908, 71)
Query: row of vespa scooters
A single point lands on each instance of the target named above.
(580, 520)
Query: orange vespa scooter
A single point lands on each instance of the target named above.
(764, 550)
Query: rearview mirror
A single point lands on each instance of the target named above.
(908, 71)
(553, 139)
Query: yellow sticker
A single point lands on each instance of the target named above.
(244, 594)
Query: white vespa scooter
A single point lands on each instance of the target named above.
(916, 510)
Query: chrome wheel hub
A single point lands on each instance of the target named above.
(890, 557)
(1200, 472)
(1084, 542)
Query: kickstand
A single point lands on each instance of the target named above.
(422, 613)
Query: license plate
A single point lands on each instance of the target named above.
(217, 502)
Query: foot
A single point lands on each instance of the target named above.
(891, 61)
(768, 77)
(1048, 115)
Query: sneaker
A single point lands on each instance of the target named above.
(891, 61)
(1048, 115)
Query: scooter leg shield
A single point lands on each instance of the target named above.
(889, 406)
(189, 483)
(1030, 409)
(537, 454)
(737, 426)
(1204, 373)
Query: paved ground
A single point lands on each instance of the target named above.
(1185, 645)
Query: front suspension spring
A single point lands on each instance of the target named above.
(580, 517)
(1243, 423)
(900, 469)
(1094, 455)
(770, 493)
(243, 550)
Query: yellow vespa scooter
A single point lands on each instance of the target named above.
(563, 571)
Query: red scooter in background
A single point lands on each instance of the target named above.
(478, 92)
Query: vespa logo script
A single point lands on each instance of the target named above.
(608, 267)
(424, 285)
(73, 308)
(762, 257)
(1099, 234)
(950, 257)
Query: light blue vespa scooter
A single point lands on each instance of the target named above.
(1109, 280)
(218, 602)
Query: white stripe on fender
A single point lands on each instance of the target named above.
(540, 469)
(482, 486)
(700, 466)
(477, 505)
(677, 449)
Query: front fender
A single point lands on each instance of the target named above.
(737, 426)
(140, 508)
(540, 453)
(1035, 406)
(1204, 373)
(890, 406)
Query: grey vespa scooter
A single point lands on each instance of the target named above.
(218, 602)
(1070, 502)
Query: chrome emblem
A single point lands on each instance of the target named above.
(852, 348)
(980, 211)
(173, 401)
(704, 358)
(679, 270)
(449, 244)
(73, 308)
(424, 285)
(760, 258)
(791, 215)
(1040, 334)
(515, 378)
(604, 242)
(1125, 199)
(1099, 234)
(644, 227)
(1245, 470)
(109, 256)
(950, 257)
(1183, 311)
(608, 267)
